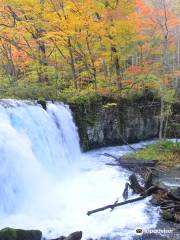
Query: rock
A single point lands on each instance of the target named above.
(42, 102)
(106, 126)
(18, 234)
(8, 234)
(74, 236)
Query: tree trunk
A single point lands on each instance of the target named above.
(72, 63)
(165, 70)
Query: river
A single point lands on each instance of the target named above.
(47, 183)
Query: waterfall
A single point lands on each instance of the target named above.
(32, 138)
(46, 182)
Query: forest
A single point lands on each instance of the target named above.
(57, 49)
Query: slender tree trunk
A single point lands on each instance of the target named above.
(165, 71)
(93, 64)
(117, 68)
(72, 63)
(161, 127)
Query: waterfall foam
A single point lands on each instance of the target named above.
(48, 184)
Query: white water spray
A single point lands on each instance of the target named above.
(48, 184)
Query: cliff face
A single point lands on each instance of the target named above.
(107, 125)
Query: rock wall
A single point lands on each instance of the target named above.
(108, 124)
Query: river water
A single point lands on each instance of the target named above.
(47, 183)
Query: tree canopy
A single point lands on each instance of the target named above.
(92, 46)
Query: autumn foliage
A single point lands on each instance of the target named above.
(94, 45)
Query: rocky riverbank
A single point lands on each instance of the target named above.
(167, 197)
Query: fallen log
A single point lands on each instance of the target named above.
(169, 201)
(126, 191)
(137, 188)
(177, 207)
(150, 191)
(115, 203)
(166, 202)
(138, 162)
(131, 163)
(112, 206)
(113, 164)
(134, 185)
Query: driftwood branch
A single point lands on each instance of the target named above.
(136, 187)
(176, 206)
(169, 201)
(130, 163)
(127, 143)
(112, 206)
(111, 156)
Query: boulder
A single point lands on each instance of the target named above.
(18, 234)
(74, 236)
(42, 102)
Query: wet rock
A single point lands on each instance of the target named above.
(101, 126)
(74, 236)
(18, 234)
(42, 102)
(8, 234)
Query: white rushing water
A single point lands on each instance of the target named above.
(46, 182)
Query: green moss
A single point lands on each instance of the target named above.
(8, 234)
(166, 152)
(18, 234)
(85, 115)
(167, 215)
(109, 105)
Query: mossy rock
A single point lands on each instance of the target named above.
(42, 102)
(167, 215)
(29, 235)
(18, 234)
(8, 234)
